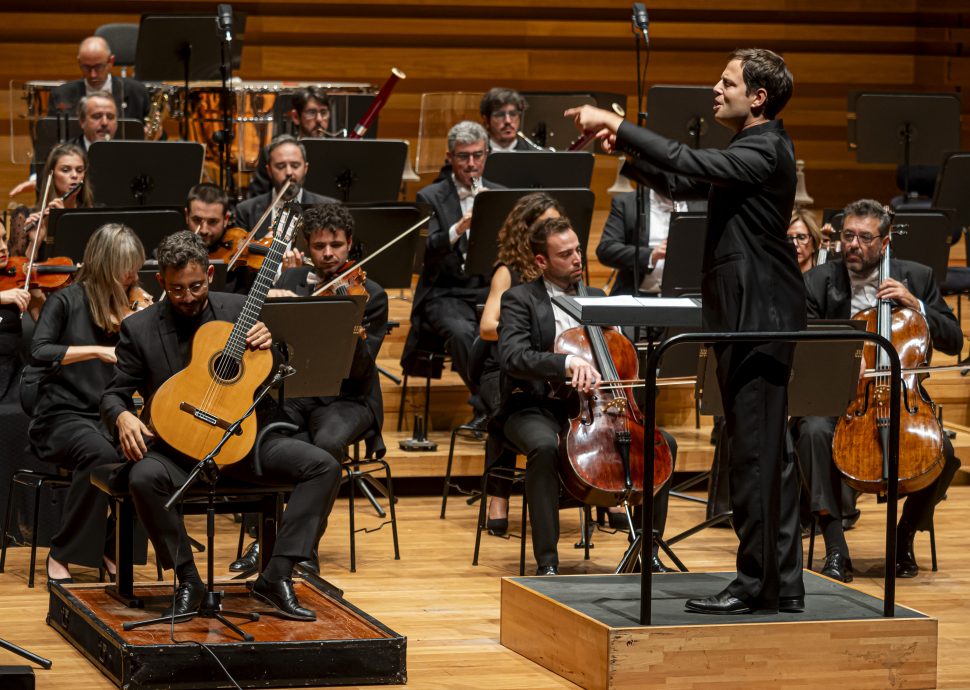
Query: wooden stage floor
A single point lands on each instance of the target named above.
(449, 610)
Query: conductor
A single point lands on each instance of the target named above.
(751, 282)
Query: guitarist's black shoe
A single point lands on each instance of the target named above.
(280, 595)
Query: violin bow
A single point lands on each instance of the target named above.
(33, 245)
(360, 263)
(252, 233)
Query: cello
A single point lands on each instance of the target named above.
(602, 458)
(860, 446)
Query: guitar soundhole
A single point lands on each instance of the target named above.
(224, 369)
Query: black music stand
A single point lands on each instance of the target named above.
(905, 128)
(51, 131)
(685, 255)
(70, 229)
(543, 121)
(185, 48)
(492, 207)
(951, 188)
(146, 277)
(685, 114)
(139, 173)
(540, 169)
(354, 169)
(375, 224)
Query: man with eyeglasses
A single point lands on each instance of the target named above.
(95, 60)
(445, 298)
(309, 118)
(837, 290)
(501, 110)
(155, 344)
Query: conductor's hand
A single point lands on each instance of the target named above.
(583, 375)
(259, 337)
(132, 434)
(590, 119)
(293, 258)
(896, 291)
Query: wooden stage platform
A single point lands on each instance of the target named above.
(586, 629)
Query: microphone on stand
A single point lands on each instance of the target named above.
(640, 21)
(224, 20)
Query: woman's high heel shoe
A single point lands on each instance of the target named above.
(497, 527)
(55, 580)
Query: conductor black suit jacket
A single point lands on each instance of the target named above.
(250, 210)
(751, 279)
(130, 97)
(616, 248)
(830, 297)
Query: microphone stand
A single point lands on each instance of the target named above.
(225, 136)
(208, 471)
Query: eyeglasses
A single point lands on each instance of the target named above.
(465, 156)
(799, 238)
(179, 290)
(94, 68)
(864, 238)
(310, 114)
(506, 114)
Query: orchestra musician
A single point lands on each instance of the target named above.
(805, 234)
(335, 422)
(286, 158)
(617, 250)
(72, 352)
(836, 290)
(98, 117)
(95, 60)
(13, 302)
(67, 166)
(751, 282)
(154, 345)
(446, 298)
(310, 117)
(207, 213)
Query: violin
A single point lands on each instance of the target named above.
(350, 280)
(603, 460)
(49, 275)
(226, 247)
(139, 298)
(234, 244)
(860, 446)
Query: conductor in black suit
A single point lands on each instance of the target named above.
(95, 60)
(445, 298)
(530, 419)
(751, 282)
(287, 161)
(837, 290)
(154, 345)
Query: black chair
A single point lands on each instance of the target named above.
(358, 475)
(123, 39)
(428, 362)
(29, 479)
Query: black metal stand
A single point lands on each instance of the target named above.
(29, 656)
(208, 471)
(225, 136)
(892, 453)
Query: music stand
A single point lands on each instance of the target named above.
(684, 260)
(139, 173)
(544, 123)
(951, 188)
(354, 169)
(685, 114)
(51, 131)
(492, 207)
(146, 277)
(375, 224)
(70, 229)
(906, 128)
(925, 239)
(346, 110)
(540, 169)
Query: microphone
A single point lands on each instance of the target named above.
(224, 20)
(640, 21)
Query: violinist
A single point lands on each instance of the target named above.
(13, 302)
(836, 290)
(286, 158)
(335, 422)
(72, 351)
(805, 234)
(207, 213)
(68, 163)
(750, 282)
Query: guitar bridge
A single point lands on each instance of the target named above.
(207, 418)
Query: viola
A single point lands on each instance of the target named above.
(602, 462)
(49, 275)
(860, 445)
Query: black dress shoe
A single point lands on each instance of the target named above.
(311, 564)
(657, 566)
(280, 595)
(617, 521)
(497, 527)
(723, 603)
(188, 598)
(791, 604)
(547, 570)
(849, 521)
(837, 566)
(475, 427)
(906, 566)
(247, 563)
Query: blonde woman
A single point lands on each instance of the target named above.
(804, 233)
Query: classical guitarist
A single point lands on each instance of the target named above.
(155, 345)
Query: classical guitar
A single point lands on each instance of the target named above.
(192, 410)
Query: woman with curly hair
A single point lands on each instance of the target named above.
(516, 264)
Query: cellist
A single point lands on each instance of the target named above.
(836, 290)
(530, 419)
